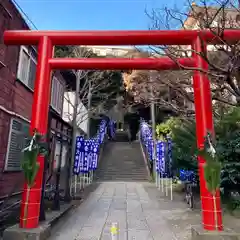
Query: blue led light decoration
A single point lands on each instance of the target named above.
(150, 148)
(102, 130)
(79, 155)
(169, 157)
(87, 151)
(86, 162)
(187, 175)
(160, 162)
(146, 138)
(90, 155)
(145, 132)
(163, 150)
(112, 128)
(95, 154)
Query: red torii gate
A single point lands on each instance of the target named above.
(46, 40)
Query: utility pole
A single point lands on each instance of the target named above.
(89, 109)
(74, 123)
(153, 122)
(56, 200)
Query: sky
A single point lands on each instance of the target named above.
(91, 14)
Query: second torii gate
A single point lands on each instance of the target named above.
(46, 40)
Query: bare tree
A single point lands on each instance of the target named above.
(147, 86)
(223, 59)
(173, 89)
(93, 96)
(94, 90)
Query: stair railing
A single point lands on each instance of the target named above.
(160, 171)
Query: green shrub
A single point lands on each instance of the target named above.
(228, 138)
(227, 130)
(166, 128)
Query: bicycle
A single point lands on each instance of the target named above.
(189, 196)
(189, 179)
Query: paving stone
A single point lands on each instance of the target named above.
(119, 205)
(90, 233)
(136, 215)
(121, 224)
(138, 218)
(137, 224)
(141, 211)
(106, 235)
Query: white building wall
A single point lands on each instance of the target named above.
(110, 50)
(67, 115)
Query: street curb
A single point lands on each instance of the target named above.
(60, 214)
(42, 232)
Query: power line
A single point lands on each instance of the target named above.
(25, 14)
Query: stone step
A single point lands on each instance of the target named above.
(121, 179)
(121, 137)
(130, 170)
(118, 167)
(121, 173)
(118, 171)
(115, 171)
(122, 161)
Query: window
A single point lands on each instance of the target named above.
(57, 155)
(27, 66)
(102, 52)
(97, 52)
(109, 52)
(64, 155)
(17, 140)
(57, 95)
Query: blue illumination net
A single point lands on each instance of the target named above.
(146, 138)
(187, 176)
(95, 153)
(79, 155)
(87, 157)
(160, 161)
(87, 150)
(150, 146)
(163, 162)
(169, 157)
(112, 128)
(102, 130)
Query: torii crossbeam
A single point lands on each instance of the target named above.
(46, 40)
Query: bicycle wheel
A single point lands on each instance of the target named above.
(191, 201)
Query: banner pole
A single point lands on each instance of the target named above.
(171, 189)
(75, 184)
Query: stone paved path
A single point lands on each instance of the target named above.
(139, 209)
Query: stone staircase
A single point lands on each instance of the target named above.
(122, 161)
(121, 136)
